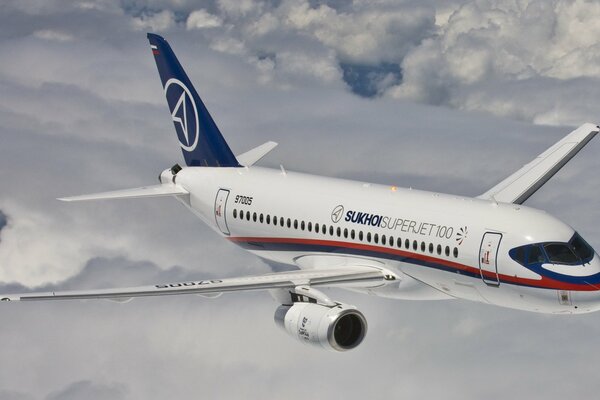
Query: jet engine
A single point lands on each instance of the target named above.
(340, 327)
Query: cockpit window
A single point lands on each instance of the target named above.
(581, 248)
(576, 252)
(530, 254)
(561, 253)
(535, 255)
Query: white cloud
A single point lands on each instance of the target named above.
(239, 8)
(200, 19)
(156, 22)
(49, 34)
(365, 34)
(229, 45)
(325, 69)
(487, 46)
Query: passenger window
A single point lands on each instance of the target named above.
(346, 232)
(261, 218)
(234, 213)
(289, 223)
(383, 240)
(310, 226)
(431, 248)
(268, 219)
(439, 249)
(376, 238)
(423, 247)
(455, 252)
(447, 251)
(339, 231)
(415, 245)
(360, 235)
(352, 234)
(369, 237)
(295, 224)
(248, 215)
(254, 217)
(331, 230)
(407, 244)
(275, 221)
(317, 228)
(399, 243)
(302, 225)
(281, 221)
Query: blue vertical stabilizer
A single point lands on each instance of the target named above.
(199, 137)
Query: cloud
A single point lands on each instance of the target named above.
(489, 50)
(53, 35)
(89, 390)
(201, 19)
(156, 22)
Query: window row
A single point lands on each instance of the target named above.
(345, 233)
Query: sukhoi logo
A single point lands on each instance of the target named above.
(337, 213)
(183, 112)
(394, 223)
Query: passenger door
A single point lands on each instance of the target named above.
(488, 258)
(220, 210)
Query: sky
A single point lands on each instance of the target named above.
(448, 96)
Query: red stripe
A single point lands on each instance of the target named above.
(155, 52)
(543, 283)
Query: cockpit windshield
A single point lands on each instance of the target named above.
(561, 253)
(581, 248)
(575, 252)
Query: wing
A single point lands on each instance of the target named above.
(146, 191)
(350, 277)
(522, 184)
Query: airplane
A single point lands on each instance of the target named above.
(379, 240)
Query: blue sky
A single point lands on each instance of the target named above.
(444, 96)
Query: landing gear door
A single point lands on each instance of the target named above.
(488, 258)
(220, 210)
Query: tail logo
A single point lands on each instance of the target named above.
(183, 112)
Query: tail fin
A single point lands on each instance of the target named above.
(199, 136)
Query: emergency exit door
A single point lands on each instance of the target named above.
(488, 258)
(220, 210)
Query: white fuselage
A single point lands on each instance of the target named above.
(440, 246)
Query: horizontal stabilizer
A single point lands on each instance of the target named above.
(522, 184)
(146, 191)
(251, 157)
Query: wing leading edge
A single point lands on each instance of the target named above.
(519, 186)
(349, 277)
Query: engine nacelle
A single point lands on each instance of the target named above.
(340, 328)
